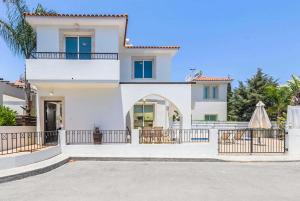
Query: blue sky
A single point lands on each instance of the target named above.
(219, 37)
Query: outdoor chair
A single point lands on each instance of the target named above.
(238, 136)
(158, 135)
(147, 135)
(225, 137)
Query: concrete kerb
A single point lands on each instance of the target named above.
(146, 159)
(33, 172)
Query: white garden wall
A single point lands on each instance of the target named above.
(17, 129)
(21, 159)
(135, 150)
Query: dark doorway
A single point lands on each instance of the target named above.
(52, 115)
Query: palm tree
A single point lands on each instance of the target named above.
(19, 35)
(294, 85)
(280, 98)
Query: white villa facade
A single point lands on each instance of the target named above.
(87, 75)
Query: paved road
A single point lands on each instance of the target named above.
(160, 181)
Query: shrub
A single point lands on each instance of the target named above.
(7, 116)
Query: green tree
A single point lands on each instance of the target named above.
(280, 98)
(239, 101)
(294, 85)
(19, 35)
(229, 103)
(246, 96)
(7, 116)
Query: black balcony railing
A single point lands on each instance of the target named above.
(76, 56)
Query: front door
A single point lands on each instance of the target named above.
(50, 116)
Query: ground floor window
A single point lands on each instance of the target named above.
(210, 117)
(143, 115)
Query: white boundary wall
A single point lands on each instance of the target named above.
(17, 129)
(21, 159)
(293, 142)
(136, 150)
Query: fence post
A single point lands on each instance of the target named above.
(293, 142)
(135, 136)
(62, 137)
(251, 141)
(213, 140)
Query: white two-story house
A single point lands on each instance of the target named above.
(88, 75)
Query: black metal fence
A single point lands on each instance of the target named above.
(103, 137)
(81, 56)
(251, 141)
(173, 136)
(27, 141)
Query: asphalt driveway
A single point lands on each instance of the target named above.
(160, 181)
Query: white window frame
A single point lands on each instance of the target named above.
(134, 59)
(63, 33)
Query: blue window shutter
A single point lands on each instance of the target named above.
(138, 69)
(215, 92)
(71, 47)
(206, 92)
(147, 69)
(85, 47)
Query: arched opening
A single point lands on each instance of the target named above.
(153, 112)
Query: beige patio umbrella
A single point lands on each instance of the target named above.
(260, 117)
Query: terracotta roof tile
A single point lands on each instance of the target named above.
(75, 15)
(205, 78)
(152, 47)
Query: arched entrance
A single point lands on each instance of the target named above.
(153, 112)
(178, 95)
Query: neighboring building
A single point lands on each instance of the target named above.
(87, 74)
(209, 98)
(12, 96)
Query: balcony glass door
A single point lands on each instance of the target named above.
(71, 47)
(78, 47)
(85, 47)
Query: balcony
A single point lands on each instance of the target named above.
(44, 68)
(76, 56)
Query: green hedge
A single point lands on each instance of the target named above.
(7, 116)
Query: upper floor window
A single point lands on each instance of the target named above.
(211, 92)
(206, 92)
(143, 69)
(78, 47)
(215, 92)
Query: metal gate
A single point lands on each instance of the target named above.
(251, 141)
